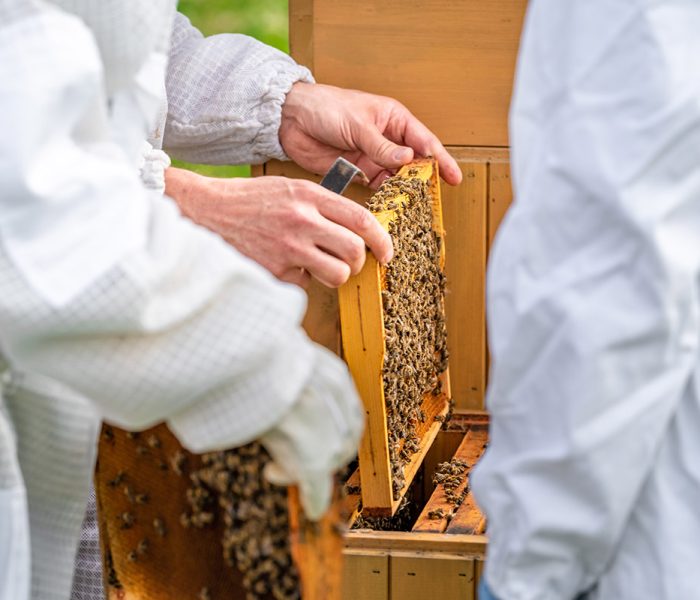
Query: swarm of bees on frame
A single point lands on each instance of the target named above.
(414, 322)
(226, 487)
(451, 476)
(400, 521)
(256, 519)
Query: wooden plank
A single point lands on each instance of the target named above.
(301, 32)
(469, 451)
(462, 420)
(468, 519)
(451, 63)
(353, 498)
(317, 548)
(417, 577)
(478, 574)
(479, 154)
(444, 446)
(362, 328)
(500, 195)
(365, 575)
(464, 210)
(410, 541)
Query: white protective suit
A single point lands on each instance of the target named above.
(591, 482)
(105, 288)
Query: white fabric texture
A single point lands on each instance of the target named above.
(15, 549)
(127, 33)
(56, 444)
(225, 96)
(318, 437)
(591, 480)
(175, 326)
(87, 577)
(152, 167)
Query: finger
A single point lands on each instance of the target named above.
(410, 131)
(343, 244)
(359, 220)
(315, 494)
(297, 276)
(380, 178)
(329, 270)
(382, 150)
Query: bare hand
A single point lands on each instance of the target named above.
(292, 227)
(378, 134)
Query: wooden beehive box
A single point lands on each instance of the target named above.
(432, 557)
(452, 65)
(362, 317)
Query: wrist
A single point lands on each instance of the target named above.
(296, 106)
(187, 189)
(297, 100)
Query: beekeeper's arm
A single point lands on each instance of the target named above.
(593, 286)
(235, 100)
(232, 99)
(107, 289)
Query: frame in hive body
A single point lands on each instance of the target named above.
(372, 330)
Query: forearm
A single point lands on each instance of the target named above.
(187, 189)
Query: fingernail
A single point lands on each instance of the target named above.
(401, 155)
(387, 257)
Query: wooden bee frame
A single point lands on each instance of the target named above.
(364, 348)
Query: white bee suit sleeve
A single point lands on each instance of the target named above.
(139, 314)
(173, 318)
(15, 556)
(593, 310)
(225, 96)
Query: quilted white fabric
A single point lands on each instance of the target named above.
(56, 445)
(127, 32)
(87, 576)
(225, 95)
(173, 325)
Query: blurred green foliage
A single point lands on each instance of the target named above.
(265, 20)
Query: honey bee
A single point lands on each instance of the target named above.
(159, 526)
(108, 435)
(117, 479)
(127, 520)
(129, 493)
(204, 594)
(177, 462)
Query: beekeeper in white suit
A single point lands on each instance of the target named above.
(106, 289)
(591, 481)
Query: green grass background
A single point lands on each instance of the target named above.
(265, 20)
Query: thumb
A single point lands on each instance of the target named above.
(383, 151)
(315, 494)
